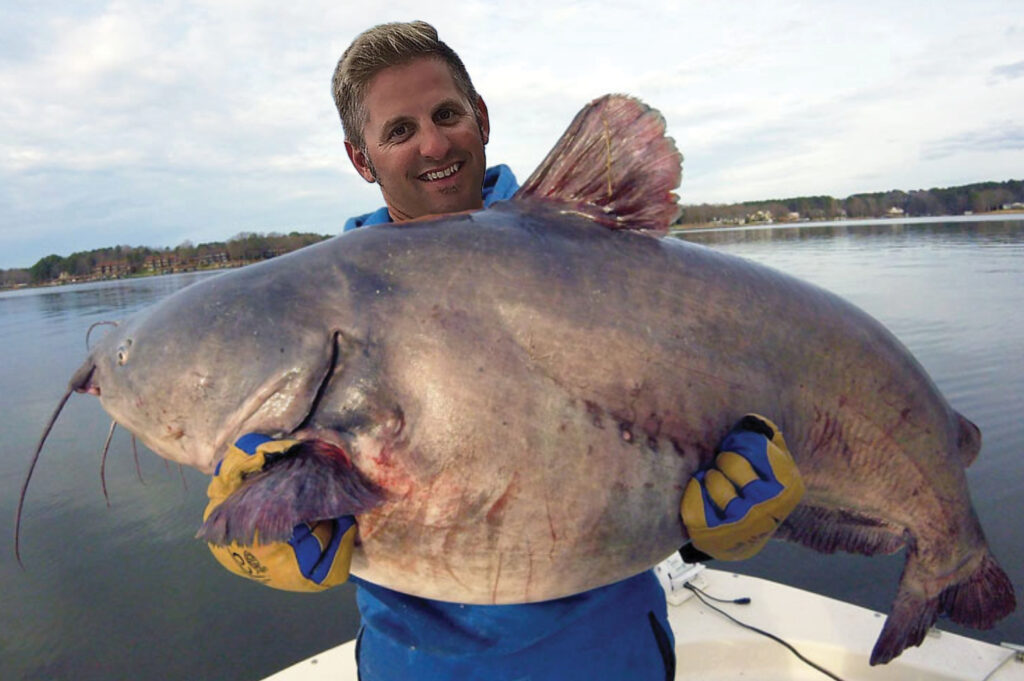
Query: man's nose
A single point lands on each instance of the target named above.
(434, 143)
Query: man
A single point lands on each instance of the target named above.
(415, 126)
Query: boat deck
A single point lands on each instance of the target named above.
(836, 635)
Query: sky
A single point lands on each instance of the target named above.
(154, 123)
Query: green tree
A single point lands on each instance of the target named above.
(47, 269)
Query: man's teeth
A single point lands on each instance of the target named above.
(438, 174)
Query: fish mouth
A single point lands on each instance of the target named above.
(441, 173)
(82, 380)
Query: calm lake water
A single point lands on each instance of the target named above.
(126, 592)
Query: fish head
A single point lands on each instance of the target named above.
(191, 374)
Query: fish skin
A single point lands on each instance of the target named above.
(531, 391)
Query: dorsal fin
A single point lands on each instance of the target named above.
(614, 164)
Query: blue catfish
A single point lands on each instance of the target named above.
(512, 400)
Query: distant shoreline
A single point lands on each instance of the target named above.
(57, 283)
(990, 216)
(675, 230)
(124, 261)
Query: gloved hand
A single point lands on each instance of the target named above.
(318, 554)
(731, 509)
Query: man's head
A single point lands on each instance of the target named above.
(413, 121)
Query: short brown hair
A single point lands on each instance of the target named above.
(378, 48)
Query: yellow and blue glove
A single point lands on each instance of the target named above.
(315, 558)
(732, 509)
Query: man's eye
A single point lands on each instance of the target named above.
(445, 115)
(398, 131)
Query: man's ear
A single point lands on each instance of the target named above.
(484, 122)
(360, 161)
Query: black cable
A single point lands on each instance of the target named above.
(701, 596)
(738, 601)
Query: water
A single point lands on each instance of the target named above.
(126, 592)
(123, 592)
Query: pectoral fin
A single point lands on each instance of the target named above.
(312, 481)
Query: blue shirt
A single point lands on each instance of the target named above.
(618, 631)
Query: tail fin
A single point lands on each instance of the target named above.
(313, 481)
(983, 597)
(909, 620)
(614, 164)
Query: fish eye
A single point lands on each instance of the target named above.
(122, 351)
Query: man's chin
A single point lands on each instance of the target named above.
(452, 200)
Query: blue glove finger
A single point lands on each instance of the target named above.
(715, 515)
(313, 558)
(761, 490)
(248, 444)
(734, 511)
(250, 441)
(751, 446)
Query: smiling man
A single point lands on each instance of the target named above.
(423, 141)
(415, 125)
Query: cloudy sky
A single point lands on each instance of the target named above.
(151, 123)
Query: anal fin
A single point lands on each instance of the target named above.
(831, 530)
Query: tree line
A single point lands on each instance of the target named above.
(981, 197)
(245, 247)
(122, 261)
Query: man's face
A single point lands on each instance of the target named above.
(423, 143)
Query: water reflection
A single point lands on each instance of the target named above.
(913, 234)
(95, 298)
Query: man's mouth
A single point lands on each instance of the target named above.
(433, 175)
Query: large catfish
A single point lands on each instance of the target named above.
(512, 400)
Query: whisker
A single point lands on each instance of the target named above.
(135, 453)
(93, 326)
(103, 461)
(31, 469)
(181, 471)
